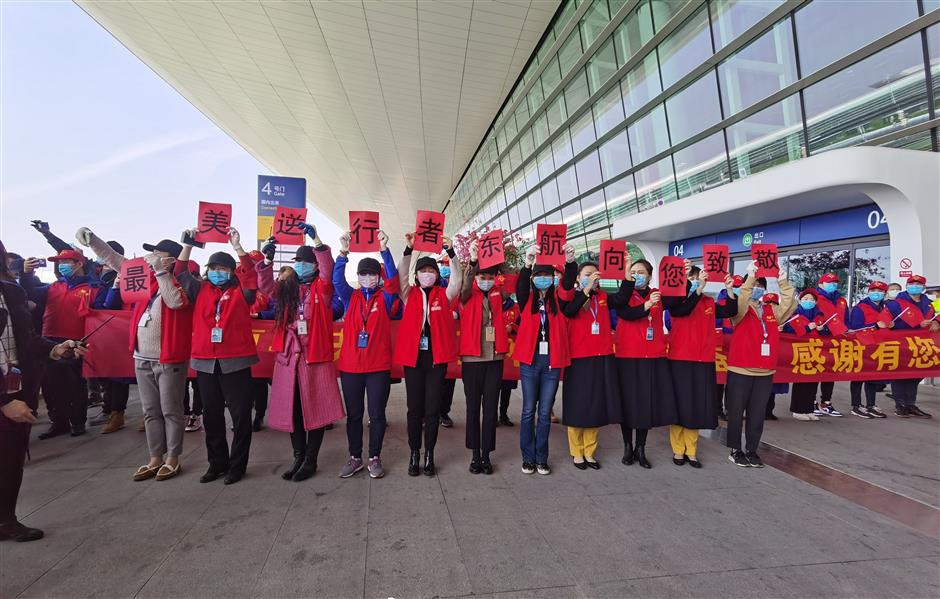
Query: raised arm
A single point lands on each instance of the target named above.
(468, 275)
(403, 265)
(455, 283)
(101, 249)
(622, 297)
(787, 298)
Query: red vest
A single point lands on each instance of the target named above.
(377, 355)
(471, 322)
(318, 313)
(176, 329)
(234, 318)
(631, 334)
(527, 338)
(66, 310)
(584, 343)
(827, 307)
(693, 338)
(749, 335)
(443, 328)
(871, 315)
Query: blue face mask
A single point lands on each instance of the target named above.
(584, 282)
(304, 270)
(219, 277)
(757, 293)
(556, 280)
(829, 287)
(807, 304)
(876, 296)
(445, 272)
(911, 289)
(695, 286)
(639, 280)
(542, 282)
(66, 270)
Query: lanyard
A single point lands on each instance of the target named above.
(368, 309)
(542, 317)
(763, 325)
(303, 305)
(218, 308)
(594, 307)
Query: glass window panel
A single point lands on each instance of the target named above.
(526, 145)
(933, 47)
(535, 97)
(608, 111)
(601, 66)
(576, 94)
(919, 141)
(522, 115)
(883, 93)
(731, 18)
(555, 218)
(648, 136)
(519, 184)
(556, 113)
(633, 32)
(702, 165)
(594, 210)
(531, 175)
(582, 132)
(535, 203)
(594, 21)
(546, 164)
(693, 109)
(655, 184)
(561, 149)
(545, 46)
(550, 195)
(686, 48)
(567, 185)
(589, 172)
(858, 24)
(540, 129)
(772, 136)
(615, 156)
(567, 11)
(663, 10)
(551, 76)
(511, 128)
(570, 52)
(501, 139)
(615, 6)
(763, 67)
(641, 84)
(571, 214)
(621, 198)
(523, 210)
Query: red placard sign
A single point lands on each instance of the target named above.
(363, 231)
(551, 241)
(672, 277)
(613, 259)
(135, 281)
(287, 223)
(491, 250)
(766, 256)
(429, 231)
(213, 223)
(715, 259)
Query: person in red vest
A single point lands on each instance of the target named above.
(911, 309)
(752, 361)
(691, 354)
(484, 343)
(66, 304)
(835, 311)
(542, 350)
(724, 325)
(869, 313)
(304, 393)
(647, 398)
(223, 351)
(590, 395)
(160, 340)
(427, 342)
(808, 319)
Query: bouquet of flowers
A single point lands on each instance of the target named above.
(513, 244)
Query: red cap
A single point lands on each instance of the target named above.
(878, 285)
(738, 280)
(917, 279)
(812, 292)
(829, 278)
(68, 255)
(770, 298)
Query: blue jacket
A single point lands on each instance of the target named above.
(857, 318)
(895, 308)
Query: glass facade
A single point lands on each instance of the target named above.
(623, 110)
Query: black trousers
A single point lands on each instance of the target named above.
(746, 393)
(447, 396)
(505, 392)
(825, 392)
(481, 386)
(14, 437)
(905, 391)
(357, 386)
(66, 392)
(803, 397)
(115, 395)
(259, 389)
(196, 409)
(855, 387)
(719, 397)
(304, 442)
(627, 433)
(233, 389)
(424, 386)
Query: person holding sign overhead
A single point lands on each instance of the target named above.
(427, 342)
(911, 309)
(304, 393)
(223, 352)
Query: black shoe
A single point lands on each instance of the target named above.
(212, 474)
(737, 458)
(486, 466)
(693, 462)
(504, 421)
(627, 459)
(889, 395)
(414, 464)
(917, 412)
(429, 462)
(233, 477)
(446, 422)
(258, 422)
(678, 461)
(770, 417)
(475, 466)
(580, 465)
(595, 465)
(307, 469)
(14, 531)
(298, 462)
(640, 455)
(754, 460)
(54, 430)
(78, 430)
(899, 411)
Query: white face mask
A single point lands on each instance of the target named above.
(368, 281)
(485, 284)
(427, 279)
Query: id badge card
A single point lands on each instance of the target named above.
(423, 343)
(362, 341)
(216, 335)
(595, 328)
(543, 348)
(301, 327)
(489, 334)
(649, 333)
(144, 319)
(764, 349)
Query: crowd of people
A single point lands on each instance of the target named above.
(631, 356)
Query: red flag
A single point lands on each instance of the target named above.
(287, 223)
(911, 316)
(363, 231)
(508, 282)
(885, 316)
(214, 221)
(429, 231)
(613, 261)
(716, 260)
(837, 326)
(135, 281)
(766, 256)
(491, 250)
(551, 241)
(672, 277)
(867, 336)
(799, 324)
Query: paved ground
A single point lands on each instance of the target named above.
(717, 532)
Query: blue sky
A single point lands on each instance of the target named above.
(92, 137)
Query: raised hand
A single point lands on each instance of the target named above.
(39, 226)
(269, 249)
(381, 235)
(344, 242)
(447, 243)
(752, 269)
(474, 250)
(569, 253)
(155, 262)
(593, 281)
(729, 284)
(30, 265)
(530, 255)
(235, 238)
(309, 229)
(83, 236)
(410, 239)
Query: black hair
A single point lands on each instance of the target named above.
(5, 273)
(646, 265)
(288, 298)
(762, 282)
(694, 271)
(589, 263)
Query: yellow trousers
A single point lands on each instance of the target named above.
(684, 440)
(582, 441)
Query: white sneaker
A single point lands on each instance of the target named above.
(193, 424)
(813, 417)
(802, 416)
